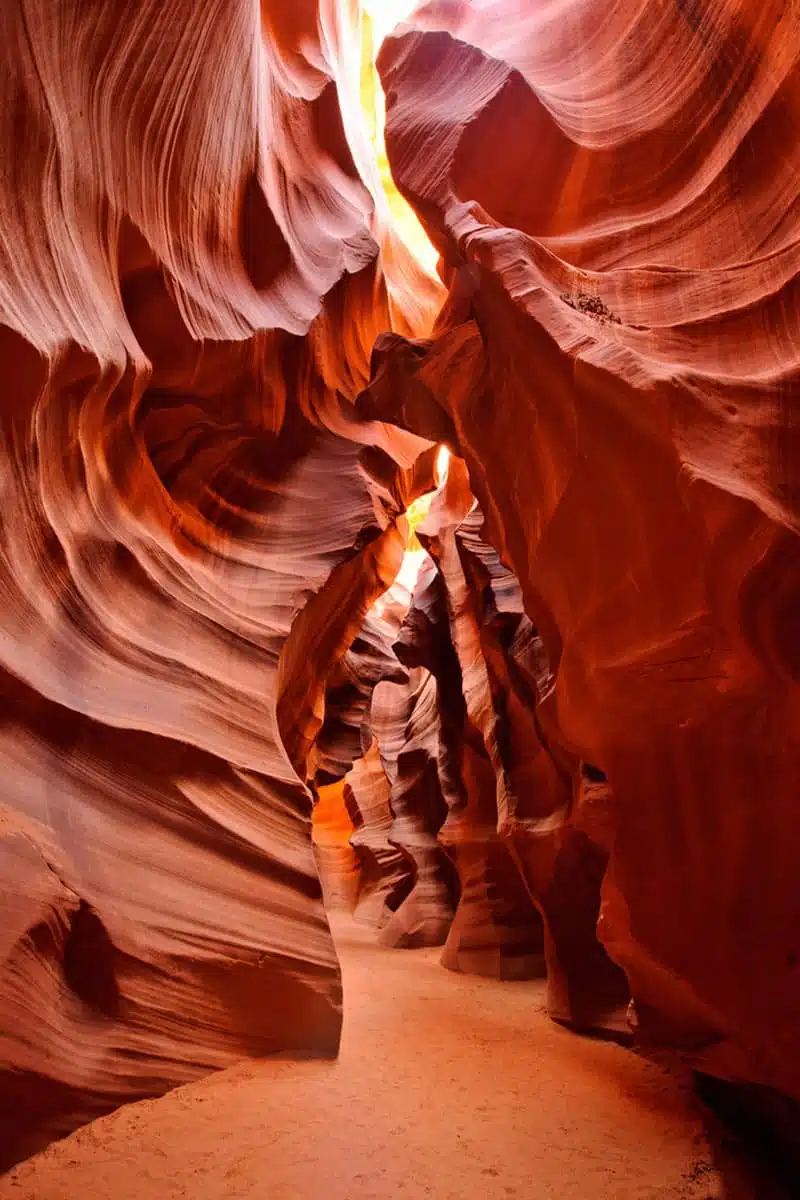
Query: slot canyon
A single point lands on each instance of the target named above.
(400, 599)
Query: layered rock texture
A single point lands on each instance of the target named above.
(615, 199)
(502, 840)
(571, 743)
(193, 268)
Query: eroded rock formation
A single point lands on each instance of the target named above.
(193, 529)
(616, 367)
(459, 774)
(222, 384)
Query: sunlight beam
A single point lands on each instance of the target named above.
(379, 18)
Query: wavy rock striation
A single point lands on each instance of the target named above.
(221, 385)
(616, 365)
(194, 526)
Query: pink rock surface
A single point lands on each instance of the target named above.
(202, 501)
(190, 286)
(615, 366)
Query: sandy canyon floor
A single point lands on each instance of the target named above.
(447, 1087)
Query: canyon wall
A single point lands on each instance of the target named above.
(194, 264)
(222, 383)
(614, 197)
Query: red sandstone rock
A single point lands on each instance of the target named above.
(190, 287)
(539, 814)
(405, 720)
(337, 861)
(345, 732)
(197, 517)
(386, 874)
(616, 369)
(497, 929)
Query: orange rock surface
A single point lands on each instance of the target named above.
(194, 263)
(615, 198)
(222, 388)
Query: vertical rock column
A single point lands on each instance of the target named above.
(618, 367)
(497, 929)
(549, 805)
(405, 720)
(386, 876)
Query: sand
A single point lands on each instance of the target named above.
(447, 1086)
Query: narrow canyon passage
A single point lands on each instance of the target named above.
(399, 521)
(447, 1086)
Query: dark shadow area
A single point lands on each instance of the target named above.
(754, 1138)
(88, 964)
(36, 1110)
(619, 1037)
(593, 774)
